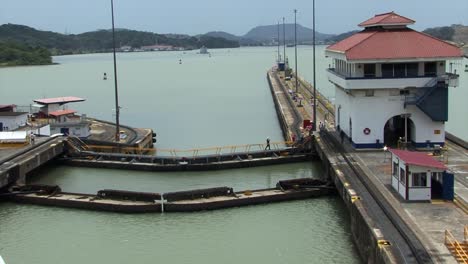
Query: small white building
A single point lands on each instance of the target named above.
(419, 177)
(62, 120)
(12, 138)
(12, 120)
(390, 83)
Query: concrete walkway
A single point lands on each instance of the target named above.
(432, 218)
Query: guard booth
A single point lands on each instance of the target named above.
(416, 176)
(281, 66)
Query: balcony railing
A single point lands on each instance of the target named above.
(348, 82)
(50, 121)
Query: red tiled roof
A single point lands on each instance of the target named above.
(390, 18)
(394, 44)
(62, 112)
(59, 100)
(418, 159)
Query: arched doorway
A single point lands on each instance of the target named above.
(398, 127)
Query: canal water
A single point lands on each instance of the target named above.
(204, 101)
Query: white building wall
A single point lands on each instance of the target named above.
(342, 105)
(78, 130)
(53, 107)
(440, 68)
(13, 122)
(419, 194)
(374, 111)
(426, 129)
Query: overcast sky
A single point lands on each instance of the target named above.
(235, 16)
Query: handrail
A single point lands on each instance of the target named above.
(218, 150)
(465, 233)
(459, 250)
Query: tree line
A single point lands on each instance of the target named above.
(101, 40)
(13, 53)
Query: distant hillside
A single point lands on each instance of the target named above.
(101, 40)
(455, 33)
(269, 33)
(222, 34)
(341, 36)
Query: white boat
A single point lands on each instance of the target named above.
(203, 50)
(2, 261)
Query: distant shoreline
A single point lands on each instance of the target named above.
(26, 65)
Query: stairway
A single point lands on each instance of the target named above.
(459, 249)
(76, 144)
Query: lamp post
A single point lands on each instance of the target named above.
(385, 153)
(295, 44)
(284, 47)
(279, 56)
(117, 108)
(314, 126)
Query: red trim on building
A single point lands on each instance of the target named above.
(59, 100)
(62, 112)
(418, 159)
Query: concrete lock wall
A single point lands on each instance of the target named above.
(38, 159)
(365, 232)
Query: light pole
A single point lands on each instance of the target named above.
(279, 56)
(295, 44)
(385, 153)
(314, 127)
(117, 110)
(284, 47)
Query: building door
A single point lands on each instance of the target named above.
(396, 129)
(1, 126)
(65, 130)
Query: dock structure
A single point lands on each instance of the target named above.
(16, 164)
(182, 201)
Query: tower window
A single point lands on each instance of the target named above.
(369, 70)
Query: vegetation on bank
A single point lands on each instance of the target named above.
(15, 54)
(101, 40)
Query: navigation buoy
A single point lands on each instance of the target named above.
(105, 76)
(180, 61)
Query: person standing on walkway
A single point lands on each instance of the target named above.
(32, 138)
(268, 144)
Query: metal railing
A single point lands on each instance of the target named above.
(194, 153)
(465, 233)
(455, 247)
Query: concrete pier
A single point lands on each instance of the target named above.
(16, 165)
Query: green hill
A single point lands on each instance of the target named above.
(13, 54)
(101, 40)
